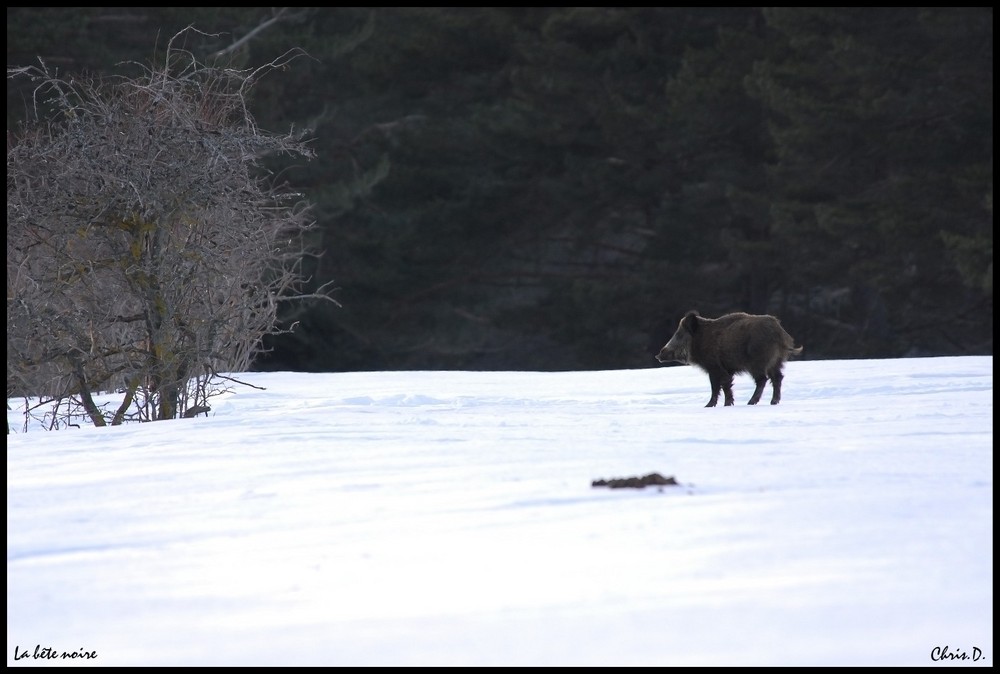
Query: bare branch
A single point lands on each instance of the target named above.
(283, 14)
(146, 248)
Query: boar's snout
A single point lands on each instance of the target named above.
(674, 350)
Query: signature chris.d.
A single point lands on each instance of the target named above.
(939, 653)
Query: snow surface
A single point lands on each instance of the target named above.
(448, 518)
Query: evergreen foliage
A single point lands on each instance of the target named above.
(552, 188)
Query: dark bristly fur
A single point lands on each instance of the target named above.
(726, 346)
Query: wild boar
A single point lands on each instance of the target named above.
(731, 344)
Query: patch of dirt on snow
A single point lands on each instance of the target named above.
(651, 480)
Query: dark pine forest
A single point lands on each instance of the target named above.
(553, 188)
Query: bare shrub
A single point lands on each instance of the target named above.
(147, 249)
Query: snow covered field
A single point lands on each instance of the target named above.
(448, 518)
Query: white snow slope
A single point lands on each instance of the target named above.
(448, 518)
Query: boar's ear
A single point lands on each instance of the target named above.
(690, 321)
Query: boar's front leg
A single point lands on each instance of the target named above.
(727, 389)
(716, 382)
(721, 382)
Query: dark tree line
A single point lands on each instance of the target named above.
(553, 188)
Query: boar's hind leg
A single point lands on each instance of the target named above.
(757, 392)
(776, 378)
